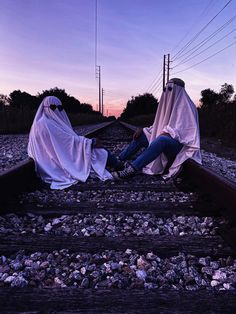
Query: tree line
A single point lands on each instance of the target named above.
(25, 101)
(217, 110)
(217, 113)
(17, 110)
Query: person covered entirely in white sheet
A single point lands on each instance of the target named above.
(172, 139)
(62, 157)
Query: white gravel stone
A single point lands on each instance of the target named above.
(214, 283)
(9, 279)
(141, 274)
(56, 221)
(83, 270)
(219, 275)
(227, 286)
(48, 227)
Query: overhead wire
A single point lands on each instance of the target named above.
(207, 39)
(196, 55)
(156, 92)
(190, 29)
(206, 58)
(157, 87)
(154, 80)
(156, 84)
(197, 35)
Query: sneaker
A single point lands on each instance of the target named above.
(128, 172)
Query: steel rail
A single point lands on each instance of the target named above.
(223, 190)
(90, 300)
(22, 176)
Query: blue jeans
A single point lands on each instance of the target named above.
(162, 144)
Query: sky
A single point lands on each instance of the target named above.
(49, 43)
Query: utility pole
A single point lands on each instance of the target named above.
(99, 87)
(102, 101)
(164, 73)
(99, 90)
(168, 68)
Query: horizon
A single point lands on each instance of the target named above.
(48, 44)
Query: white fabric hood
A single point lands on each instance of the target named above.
(62, 157)
(177, 115)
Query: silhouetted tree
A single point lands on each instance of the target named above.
(23, 100)
(86, 108)
(70, 103)
(139, 105)
(209, 98)
(111, 118)
(4, 101)
(226, 92)
(217, 113)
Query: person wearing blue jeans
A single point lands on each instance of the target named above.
(174, 136)
(164, 143)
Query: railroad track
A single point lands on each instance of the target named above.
(134, 246)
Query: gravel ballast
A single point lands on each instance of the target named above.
(112, 269)
(13, 149)
(110, 225)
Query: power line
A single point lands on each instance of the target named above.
(156, 84)
(187, 59)
(196, 36)
(206, 58)
(186, 34)
(206, 40)
(158, 88)
(155, 79)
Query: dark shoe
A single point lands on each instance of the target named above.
(128, 172)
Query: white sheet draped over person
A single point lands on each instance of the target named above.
(62, 158)
(177, 116)
(173, 138)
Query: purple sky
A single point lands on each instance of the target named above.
(48, 43)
